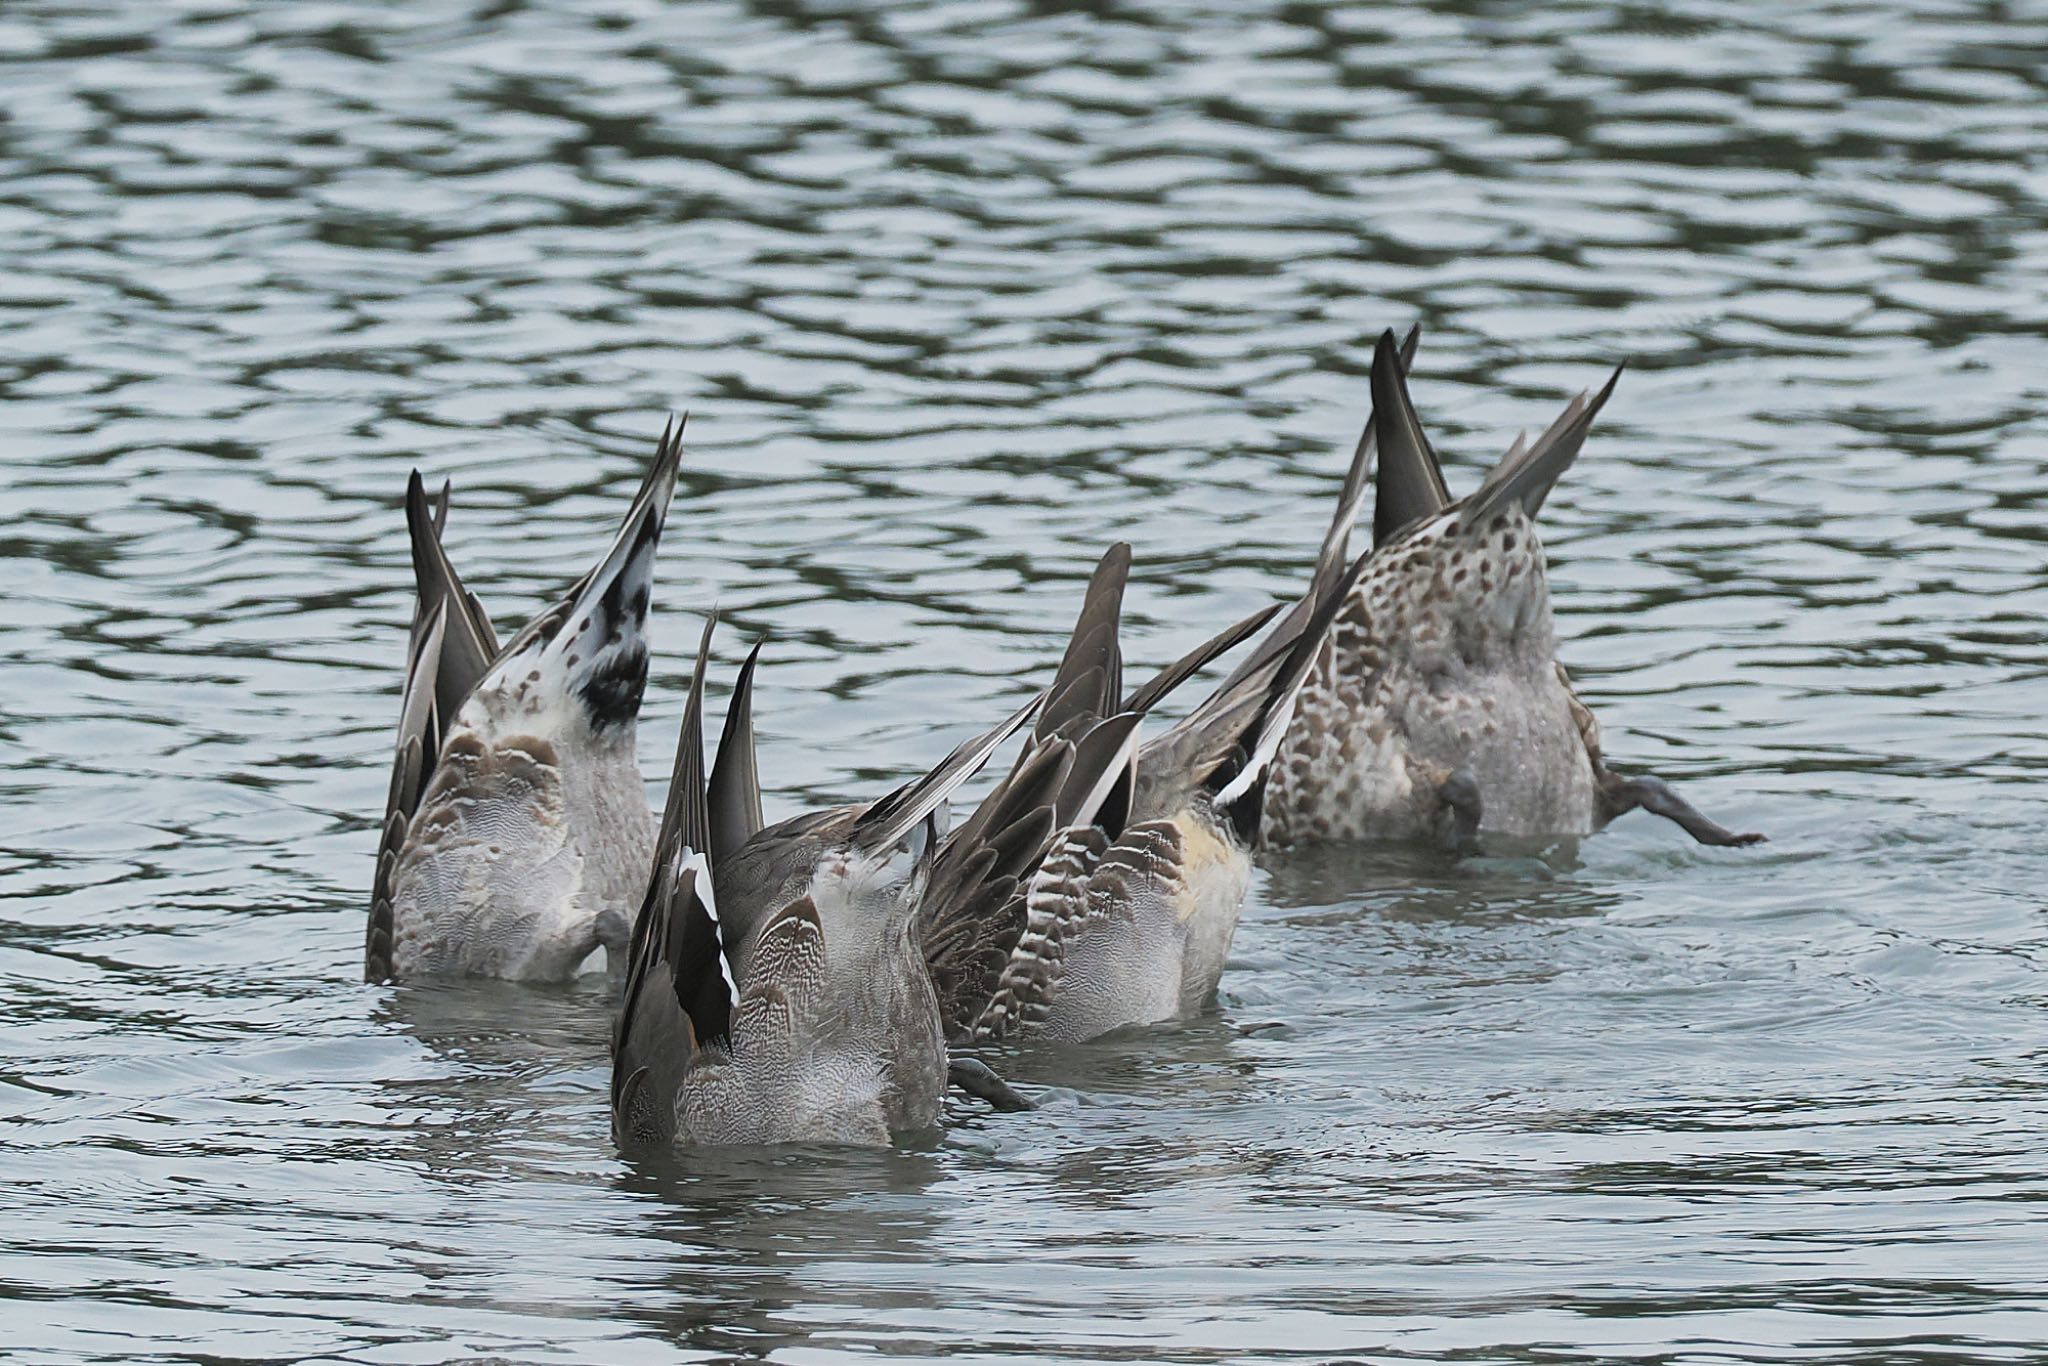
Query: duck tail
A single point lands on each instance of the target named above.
(680, 993)
(1527, 474)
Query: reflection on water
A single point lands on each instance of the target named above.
(955, 293)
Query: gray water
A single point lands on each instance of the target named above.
(955, 294)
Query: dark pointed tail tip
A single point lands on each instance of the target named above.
(701, 662)
(1599, 399)
(1115, 558)
(418, 510)
(1392, 358)
(1114, 567)
(672, 434)
(746, 672)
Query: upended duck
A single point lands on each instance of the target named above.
(1130, 916)
(1437, 707)
(517, 834)
(801, 982)
(776, 992)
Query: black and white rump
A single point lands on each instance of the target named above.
(516, 832)
(695, 1059)
(776, 991)
(1437, 708)
(1066, 919)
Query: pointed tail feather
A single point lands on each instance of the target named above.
(686, 820)
(1153, 692)
(1078, 759)
(1090, 676)
(605, 627)
(418, 714)
(1334, 554)
(886, 823)
(685, 817)
(735, 789)
(593, 640)
(1410, 487)
(657, 486)
(1083, 690)
(412, 765)
(468, 647)
(1526, 476)
(680, 992)
(1410, 483)
(446, 649)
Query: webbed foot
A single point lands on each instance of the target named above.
(1659, 798)
(978, 1079)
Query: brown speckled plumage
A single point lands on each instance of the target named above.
(1437, 706)
(1442, 660)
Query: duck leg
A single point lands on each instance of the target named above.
(978, 1079)
(1621, 795)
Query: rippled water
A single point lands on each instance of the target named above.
(955, 293)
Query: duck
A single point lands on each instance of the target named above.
(517, 832)
(1437, 707)
(807, 981)
(1131, 913)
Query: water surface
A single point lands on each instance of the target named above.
(955, 293)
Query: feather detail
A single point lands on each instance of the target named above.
(680, 992)
(1526, 476)
(735, 786)
(1410, 485)
(1055, 903)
